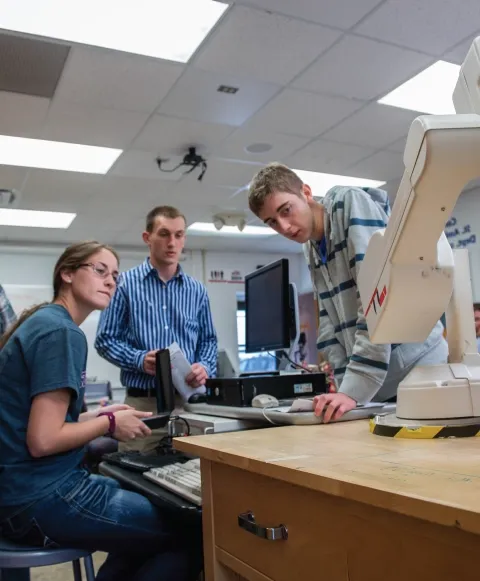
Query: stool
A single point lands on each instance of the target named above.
(22, 558)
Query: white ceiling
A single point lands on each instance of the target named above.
(309, 73)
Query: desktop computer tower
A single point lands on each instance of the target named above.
(239, 391)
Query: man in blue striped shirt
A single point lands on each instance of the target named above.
(155, 305)
(336, 233)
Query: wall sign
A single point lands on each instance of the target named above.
(226, 276)
(459, 235)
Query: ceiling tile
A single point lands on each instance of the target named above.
(91, 125)
(398, 146)
(282, 145)
(199, 198)
(195, 96)
(328, 156)
(63, 183)
(274, 48)
(223, 172)
(419, 25)
(135, 163)
(30, 66)
(113, 208)
(341, 13)
(12, 177)
(58, 190)
(22, 115)
(374, 126)
(168, 135)
(116, 80)
(129, 187)
(304, 114)
(34, 236)
(383, 165)
(51, 202)
(100, 226)
(361, 68)
(458, 53)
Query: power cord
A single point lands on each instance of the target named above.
(267, 418)
(165, 447)
(296, 365)
(187, 425)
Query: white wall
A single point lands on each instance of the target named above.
(463, 231)
(26, 274)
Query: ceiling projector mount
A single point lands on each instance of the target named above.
(191, 160)
(229, 219)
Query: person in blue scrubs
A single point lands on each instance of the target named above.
(46, 497)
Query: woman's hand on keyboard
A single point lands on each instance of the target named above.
(129, 425)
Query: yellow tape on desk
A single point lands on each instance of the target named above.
(424, 432)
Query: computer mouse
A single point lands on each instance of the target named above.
(264, 400)
(197, 398)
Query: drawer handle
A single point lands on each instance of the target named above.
(246, 521)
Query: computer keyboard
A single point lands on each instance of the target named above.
(182, 478)
(141, 462)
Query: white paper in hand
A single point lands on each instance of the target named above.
(181, 368)
(303, 404)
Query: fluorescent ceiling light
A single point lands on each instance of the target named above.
(166, 29)
(428, 92)
(35, 219)
(322, 182)
(209, 228)
(58, 155)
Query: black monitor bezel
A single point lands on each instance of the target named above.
(285, 299)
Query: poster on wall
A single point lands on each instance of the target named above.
(226, 276)
(459, 234)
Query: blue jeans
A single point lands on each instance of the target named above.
(92, 512)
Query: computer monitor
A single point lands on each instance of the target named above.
(271, 310)
(225, 366)
(165, 390)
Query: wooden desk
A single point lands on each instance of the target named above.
(357, 507)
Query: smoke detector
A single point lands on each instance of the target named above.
(229, 219)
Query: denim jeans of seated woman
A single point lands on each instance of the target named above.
(92, 512)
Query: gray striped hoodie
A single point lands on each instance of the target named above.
(361, 368)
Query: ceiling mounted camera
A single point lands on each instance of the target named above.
(191, 160)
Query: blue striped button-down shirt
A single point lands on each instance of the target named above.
(147, 314)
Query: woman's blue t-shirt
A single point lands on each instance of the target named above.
(47, 352)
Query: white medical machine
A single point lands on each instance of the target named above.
(410, 275)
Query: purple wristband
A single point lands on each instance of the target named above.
(112, 423)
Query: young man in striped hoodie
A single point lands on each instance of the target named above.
(335, 233)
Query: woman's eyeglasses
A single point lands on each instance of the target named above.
(101, 270)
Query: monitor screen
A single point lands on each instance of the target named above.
(268, 316)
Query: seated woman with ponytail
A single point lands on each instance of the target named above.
(46, 498)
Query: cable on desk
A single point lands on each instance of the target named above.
(187, 425)
(267, 418)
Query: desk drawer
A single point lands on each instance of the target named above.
(310, 548)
